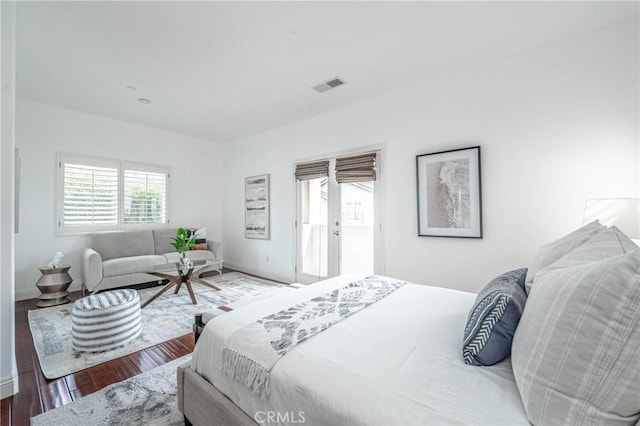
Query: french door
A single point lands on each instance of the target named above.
(338, 226)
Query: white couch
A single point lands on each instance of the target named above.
(118, 259)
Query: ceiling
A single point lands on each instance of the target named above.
(225, 70)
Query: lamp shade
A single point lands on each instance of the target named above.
(623, 213)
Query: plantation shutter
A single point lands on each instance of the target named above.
(90, 196)
(145, 197)
(356, 168)
(315, 170)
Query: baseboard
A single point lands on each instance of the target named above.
(9, 386)
(248, 270)
(34, 293)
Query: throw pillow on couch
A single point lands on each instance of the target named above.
(201, 238)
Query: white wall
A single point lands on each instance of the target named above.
(8, 371)
(557, 125)
(43, 130)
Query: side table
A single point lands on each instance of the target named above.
(53, 285)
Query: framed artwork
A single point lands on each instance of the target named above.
(256, 207)
(449, 196)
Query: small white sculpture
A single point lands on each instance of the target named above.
(56, 262)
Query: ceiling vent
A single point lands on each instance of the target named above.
(331, 84)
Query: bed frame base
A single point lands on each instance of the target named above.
(202, 404)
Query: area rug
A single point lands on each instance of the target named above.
(166, 318)
(149, 398)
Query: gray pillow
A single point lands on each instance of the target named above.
(576, 352)
(607, 243)
(493, 319)
(552, 252)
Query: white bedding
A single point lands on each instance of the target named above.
(397, 362)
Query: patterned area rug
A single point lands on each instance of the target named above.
(146, 399)
(166, 318)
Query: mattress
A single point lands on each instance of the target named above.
(396, 362)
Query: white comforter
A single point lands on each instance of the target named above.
(397, 362)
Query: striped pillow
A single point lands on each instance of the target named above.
(554, 251)
(576, 352)
(494, 318)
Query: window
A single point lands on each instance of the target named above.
(352, 212)
(100, 194)
(90, 195)
(145, 197)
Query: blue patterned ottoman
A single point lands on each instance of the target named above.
(106, 320)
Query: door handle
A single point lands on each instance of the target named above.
(336, 233)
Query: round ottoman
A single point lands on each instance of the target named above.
(106, 320)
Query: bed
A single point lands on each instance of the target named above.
(396, 362)
(574, 349)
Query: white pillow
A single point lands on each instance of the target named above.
(201, 234)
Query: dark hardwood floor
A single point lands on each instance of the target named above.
(38, 394)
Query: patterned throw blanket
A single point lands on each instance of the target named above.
(252, 351)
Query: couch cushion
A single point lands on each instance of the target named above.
(575, 354)
(493, 319)
(113, 245)
(162, 239)
(191, 254)
(549, 253)
(130, 265)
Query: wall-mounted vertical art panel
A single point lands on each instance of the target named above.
(256, 207)
(449, 196)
